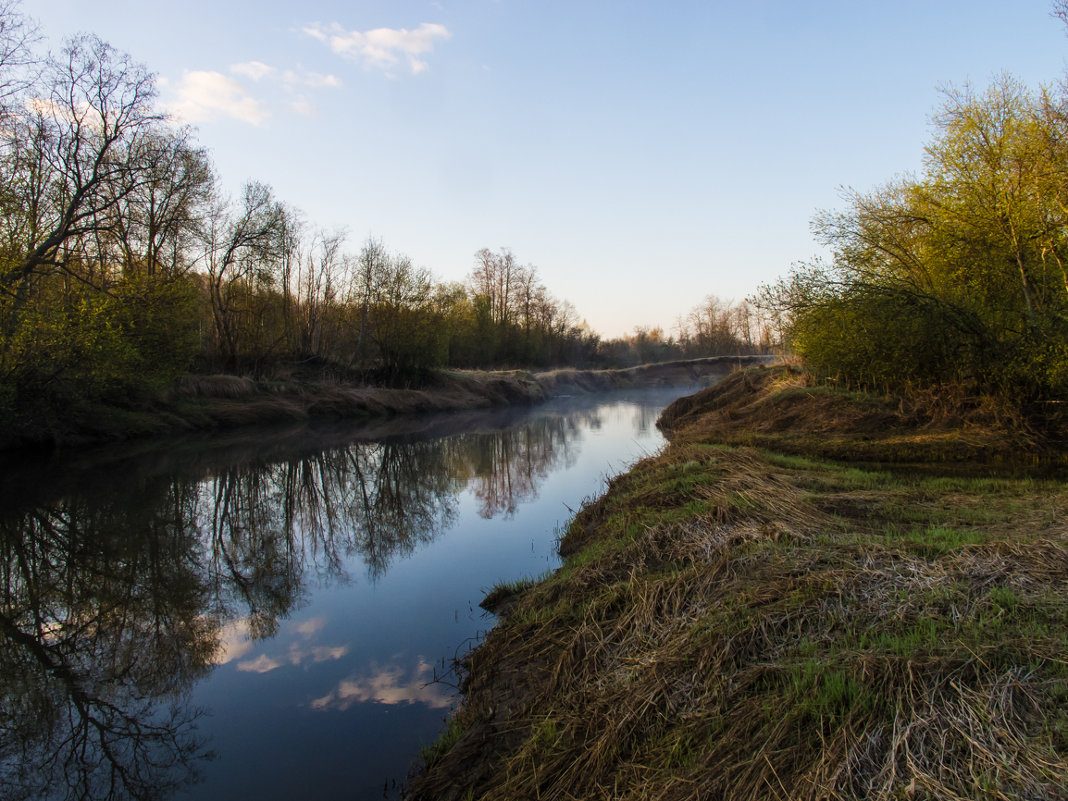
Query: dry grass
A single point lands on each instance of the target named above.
(787, 410)
(735, 624)
(677, 373)
(213, 386)
(286, 392)
(228, 401)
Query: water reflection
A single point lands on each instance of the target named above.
(128, 579)
(103, 628)
(392, 684)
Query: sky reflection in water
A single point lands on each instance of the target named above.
(268, 614)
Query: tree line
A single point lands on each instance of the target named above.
(124, 263)
(122, 257)
(714, 327)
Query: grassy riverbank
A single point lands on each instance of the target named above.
(748, 615)
(207, 402)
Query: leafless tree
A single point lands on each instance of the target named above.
(81, 150)
(18, 61)
(241, 245)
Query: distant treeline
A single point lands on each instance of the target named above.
(123, 264)
(711, 328)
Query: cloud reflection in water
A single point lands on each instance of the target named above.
(299, 654)
(392, 684)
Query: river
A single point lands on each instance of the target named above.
(274, 614)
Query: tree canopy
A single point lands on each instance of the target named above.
(957, 275)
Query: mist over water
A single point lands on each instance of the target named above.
(274, 613)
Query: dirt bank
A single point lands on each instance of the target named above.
(745, 620)
(225, 401)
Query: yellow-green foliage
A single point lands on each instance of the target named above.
(69, 341)
(957, 275)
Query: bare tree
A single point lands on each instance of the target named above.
(320, 280)
(158, 221)
(372, 260)
(84, 149)
(18, 62)
(496, 276)
(240, 246)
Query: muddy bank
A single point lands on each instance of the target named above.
(754, 620)
(226, 401)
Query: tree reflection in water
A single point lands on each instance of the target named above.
(103, 635)
(116, 594)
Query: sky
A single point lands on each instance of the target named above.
(642, 155)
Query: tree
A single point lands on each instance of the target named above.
(955, 276)
(323, 271)
(18, 62)
(158, 222)
(82, 149)
(373, 260)
(99, 199)
(241, 246)
(404, 328)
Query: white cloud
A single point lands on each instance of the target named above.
(256, 70)
(203, 96)
(82, 113)
(383, 48)
(235, 642)
(322, 653)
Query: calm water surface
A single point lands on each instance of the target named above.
(274, 615)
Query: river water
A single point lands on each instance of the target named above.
(274, 614)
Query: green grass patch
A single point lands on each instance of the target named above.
(506, 592)
(935, 541)
(450, 735)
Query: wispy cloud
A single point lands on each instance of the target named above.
(292, 79)
(256, 70)
(384, 49)
(299, 654)
(201, 96)
(303, 107)
(296, 657)
(297, 82)
(320, 654)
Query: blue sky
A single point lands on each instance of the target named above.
(641, 154)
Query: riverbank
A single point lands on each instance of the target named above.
(226, 401)
(761, 612)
